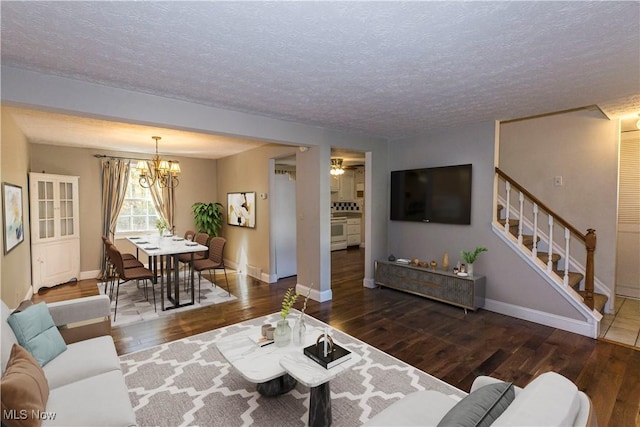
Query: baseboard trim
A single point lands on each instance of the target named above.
(92, 274)
(369, 283)
(553, 320)
(316, 295)
(269, 278)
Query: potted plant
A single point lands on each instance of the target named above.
(208, 217)
(470, 257)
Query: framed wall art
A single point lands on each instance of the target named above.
(241, 209)
(12, 216)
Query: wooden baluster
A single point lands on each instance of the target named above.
(534, 248)
(550, 250)
(590, 243)
(567, 236)
(507, 208)
(520, 217)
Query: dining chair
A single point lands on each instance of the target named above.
(125, 256)
(129, 261)
(202, 239)
(126, 274)
(214, 261)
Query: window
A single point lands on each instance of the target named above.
(138, 212)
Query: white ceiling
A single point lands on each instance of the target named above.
(389, 69)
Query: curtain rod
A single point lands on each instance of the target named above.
(104, 156)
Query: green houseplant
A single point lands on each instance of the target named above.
(470, 257)
(208, 217)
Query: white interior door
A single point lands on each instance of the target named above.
(283, 215)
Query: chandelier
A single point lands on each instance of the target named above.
(336, 167)
(165, 172)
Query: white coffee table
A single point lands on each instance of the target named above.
(276, 370)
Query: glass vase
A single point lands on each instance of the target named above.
(299, 331)
(282, 334)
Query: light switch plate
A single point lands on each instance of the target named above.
(557, 181)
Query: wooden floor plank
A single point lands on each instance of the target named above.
(435, 337)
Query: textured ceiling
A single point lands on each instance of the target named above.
(388, 69)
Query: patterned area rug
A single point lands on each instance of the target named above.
(187, 382)
(134, 307)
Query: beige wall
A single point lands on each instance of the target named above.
(16, 265)
(197, 183)
(249, 172)
(582, 147)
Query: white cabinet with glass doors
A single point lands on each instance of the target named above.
(55, 229)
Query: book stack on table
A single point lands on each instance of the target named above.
(334, 356)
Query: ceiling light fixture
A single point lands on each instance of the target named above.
(165, 172)
(336, 167)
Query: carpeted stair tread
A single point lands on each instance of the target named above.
(574, 278)
(599, 301)
(544, 257)
(527, 240)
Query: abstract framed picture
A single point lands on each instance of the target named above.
(241, 209)
(12, 216)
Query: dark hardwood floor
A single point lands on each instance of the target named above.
(435, 337)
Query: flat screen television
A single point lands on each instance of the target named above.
(441, 195)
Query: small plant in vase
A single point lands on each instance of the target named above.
(161, 225)
(282, 334)
(470, 257)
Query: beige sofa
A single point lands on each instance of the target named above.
(86, 386)
(549, 400)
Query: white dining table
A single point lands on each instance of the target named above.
(169, 248)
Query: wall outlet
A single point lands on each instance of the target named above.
(557, 181)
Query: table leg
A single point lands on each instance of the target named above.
(320, 406)
(193, 297)
(277, 386)
(176, 278)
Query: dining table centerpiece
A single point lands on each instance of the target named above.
(162, 226)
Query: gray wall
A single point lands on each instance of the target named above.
(509, 279)
(582, 147)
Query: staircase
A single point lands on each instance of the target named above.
(575, 278)
(550, 244)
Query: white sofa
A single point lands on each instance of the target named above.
(549, 400)
(86, 386)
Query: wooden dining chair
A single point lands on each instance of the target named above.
(126, 274)
(213, 262)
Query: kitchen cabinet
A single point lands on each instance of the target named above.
(347, 190)
(335, 184)
(55, 229)
(353, 231)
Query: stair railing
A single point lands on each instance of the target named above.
(588, 239)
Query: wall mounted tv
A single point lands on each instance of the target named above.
(441, 195)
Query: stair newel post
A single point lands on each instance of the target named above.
(507, 188)
(534, 248)
(550, 249)
(521, 200)
(590, 244)
(567, 236)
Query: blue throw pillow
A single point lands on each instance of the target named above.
(480, 408)
(36, 332)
